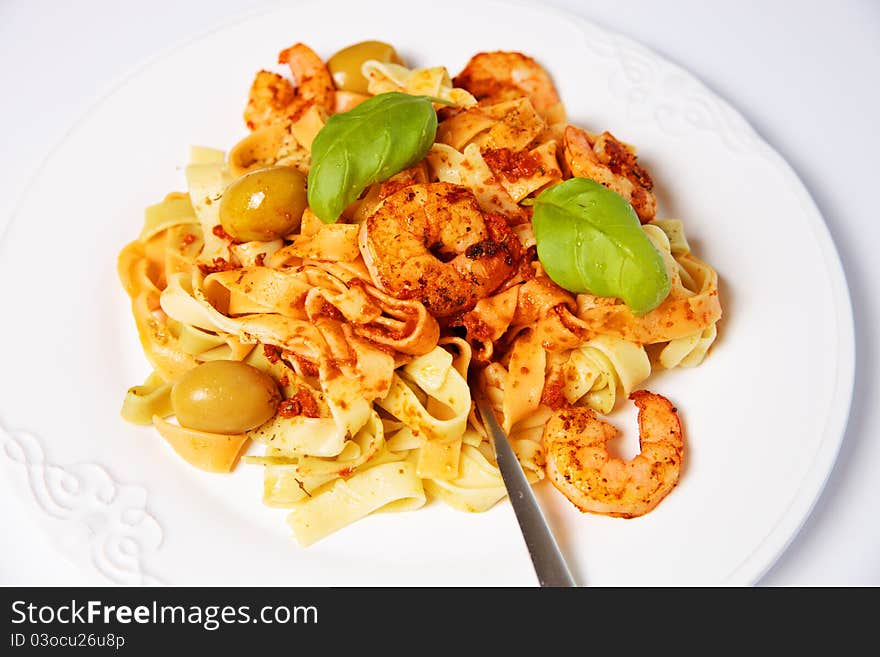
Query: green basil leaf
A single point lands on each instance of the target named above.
(590, 241)
(380, 137)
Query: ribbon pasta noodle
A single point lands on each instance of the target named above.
(348, 382)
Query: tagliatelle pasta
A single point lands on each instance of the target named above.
(364, 336)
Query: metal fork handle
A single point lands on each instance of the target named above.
(549, 564)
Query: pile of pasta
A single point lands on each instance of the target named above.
(390, 421)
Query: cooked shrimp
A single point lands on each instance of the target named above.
(495, 77)
(314, 84)
(579, 465)
(274, 99)
(432, 242)
(269, 101)
(611, 163)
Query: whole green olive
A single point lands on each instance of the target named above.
(224, 396)
(345, 66)
(264, 204)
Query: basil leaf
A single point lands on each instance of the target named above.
(380, 137)
(590, 240)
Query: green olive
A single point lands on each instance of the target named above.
(264, 205)
(224, 396)
(345, 66)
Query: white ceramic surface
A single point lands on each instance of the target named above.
(117, 501)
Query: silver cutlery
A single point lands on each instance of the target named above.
(550, 566)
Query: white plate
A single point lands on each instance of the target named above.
(764, 414)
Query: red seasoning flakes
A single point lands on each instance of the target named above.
(220, 264)
(271, 352)
(302, 403)
(221, 233)
(513, 166)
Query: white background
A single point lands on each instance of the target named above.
(805, 74)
